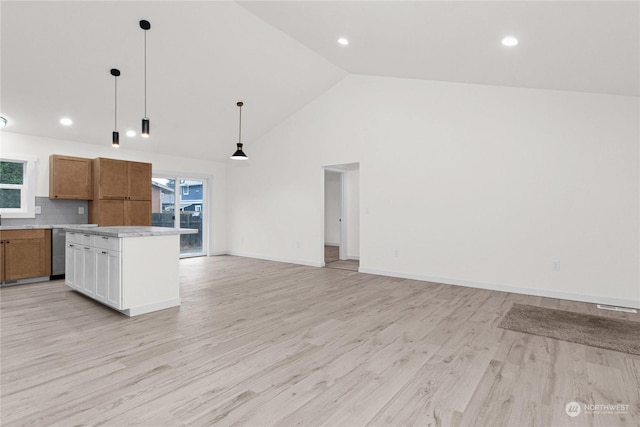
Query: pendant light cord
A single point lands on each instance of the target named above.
(145, 73)
(240, 127)
(115, 117)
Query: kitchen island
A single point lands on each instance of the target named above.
(131, 269)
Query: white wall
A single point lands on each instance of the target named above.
(332, 208)
(215, 171)
(352, 202)
(465, 184)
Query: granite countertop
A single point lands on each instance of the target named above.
(46, 226)
(132, 231)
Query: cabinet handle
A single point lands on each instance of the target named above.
(105, 237)
(87, 235)
(71, 246)
(105, 252)
(87, 248)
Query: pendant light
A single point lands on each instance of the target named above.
(145, 25)
(115, 135)
(239, 154)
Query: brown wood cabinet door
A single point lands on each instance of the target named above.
(111, 212)
(2, 260)
(24, 258)
(70, 178)
(138, 212)
(139, 180)
(110, 179)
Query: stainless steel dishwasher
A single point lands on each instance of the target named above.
(57, 253)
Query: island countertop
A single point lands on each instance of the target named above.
(45, 226)
(131, 231)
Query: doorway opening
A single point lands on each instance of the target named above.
(342, 217)
(180, 202)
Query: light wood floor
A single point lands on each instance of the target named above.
(332, 259)
(262, 343)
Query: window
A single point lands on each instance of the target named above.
(11, 184)
(185, 190)
(198, 208)
(17, 186)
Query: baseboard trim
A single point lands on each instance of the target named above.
(331, 244)
(144, 309)
(218, 253)
(277, 259)
(25, 281)
(621, 302)
(355, 258)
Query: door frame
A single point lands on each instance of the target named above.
(206, 180)
(342, 171)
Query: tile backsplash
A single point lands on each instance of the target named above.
(54, 212)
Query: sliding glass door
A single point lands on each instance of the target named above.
(180, 202)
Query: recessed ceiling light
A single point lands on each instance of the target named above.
(343, 41)
(131, 133)
(66, 121)
(3, 122)
(509, 41)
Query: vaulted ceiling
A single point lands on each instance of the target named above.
(203, 57)
(586, 46)
(276, 57)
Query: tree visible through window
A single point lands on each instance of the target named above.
(11, 184)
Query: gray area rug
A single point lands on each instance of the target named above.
(595, 331)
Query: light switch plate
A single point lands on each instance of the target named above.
(38, 210)
(80, 210)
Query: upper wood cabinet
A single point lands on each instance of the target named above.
(139, 181)
(109, 178)
(122, 193)
(108, 213)
(121, 180)
(70, 178)
(137, 212)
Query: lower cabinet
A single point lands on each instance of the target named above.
(108, 278)
(134, 274)
(93, 267)
(25, 254)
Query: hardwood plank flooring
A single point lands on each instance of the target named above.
(332, 260)
(262, 343)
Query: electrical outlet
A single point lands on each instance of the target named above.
(555, 266)
(298, 245)
(395, 253)
(80, 210)
(38, 210)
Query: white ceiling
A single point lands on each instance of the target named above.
(587, 46)
(204, 56)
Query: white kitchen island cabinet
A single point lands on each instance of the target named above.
(131, 269)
